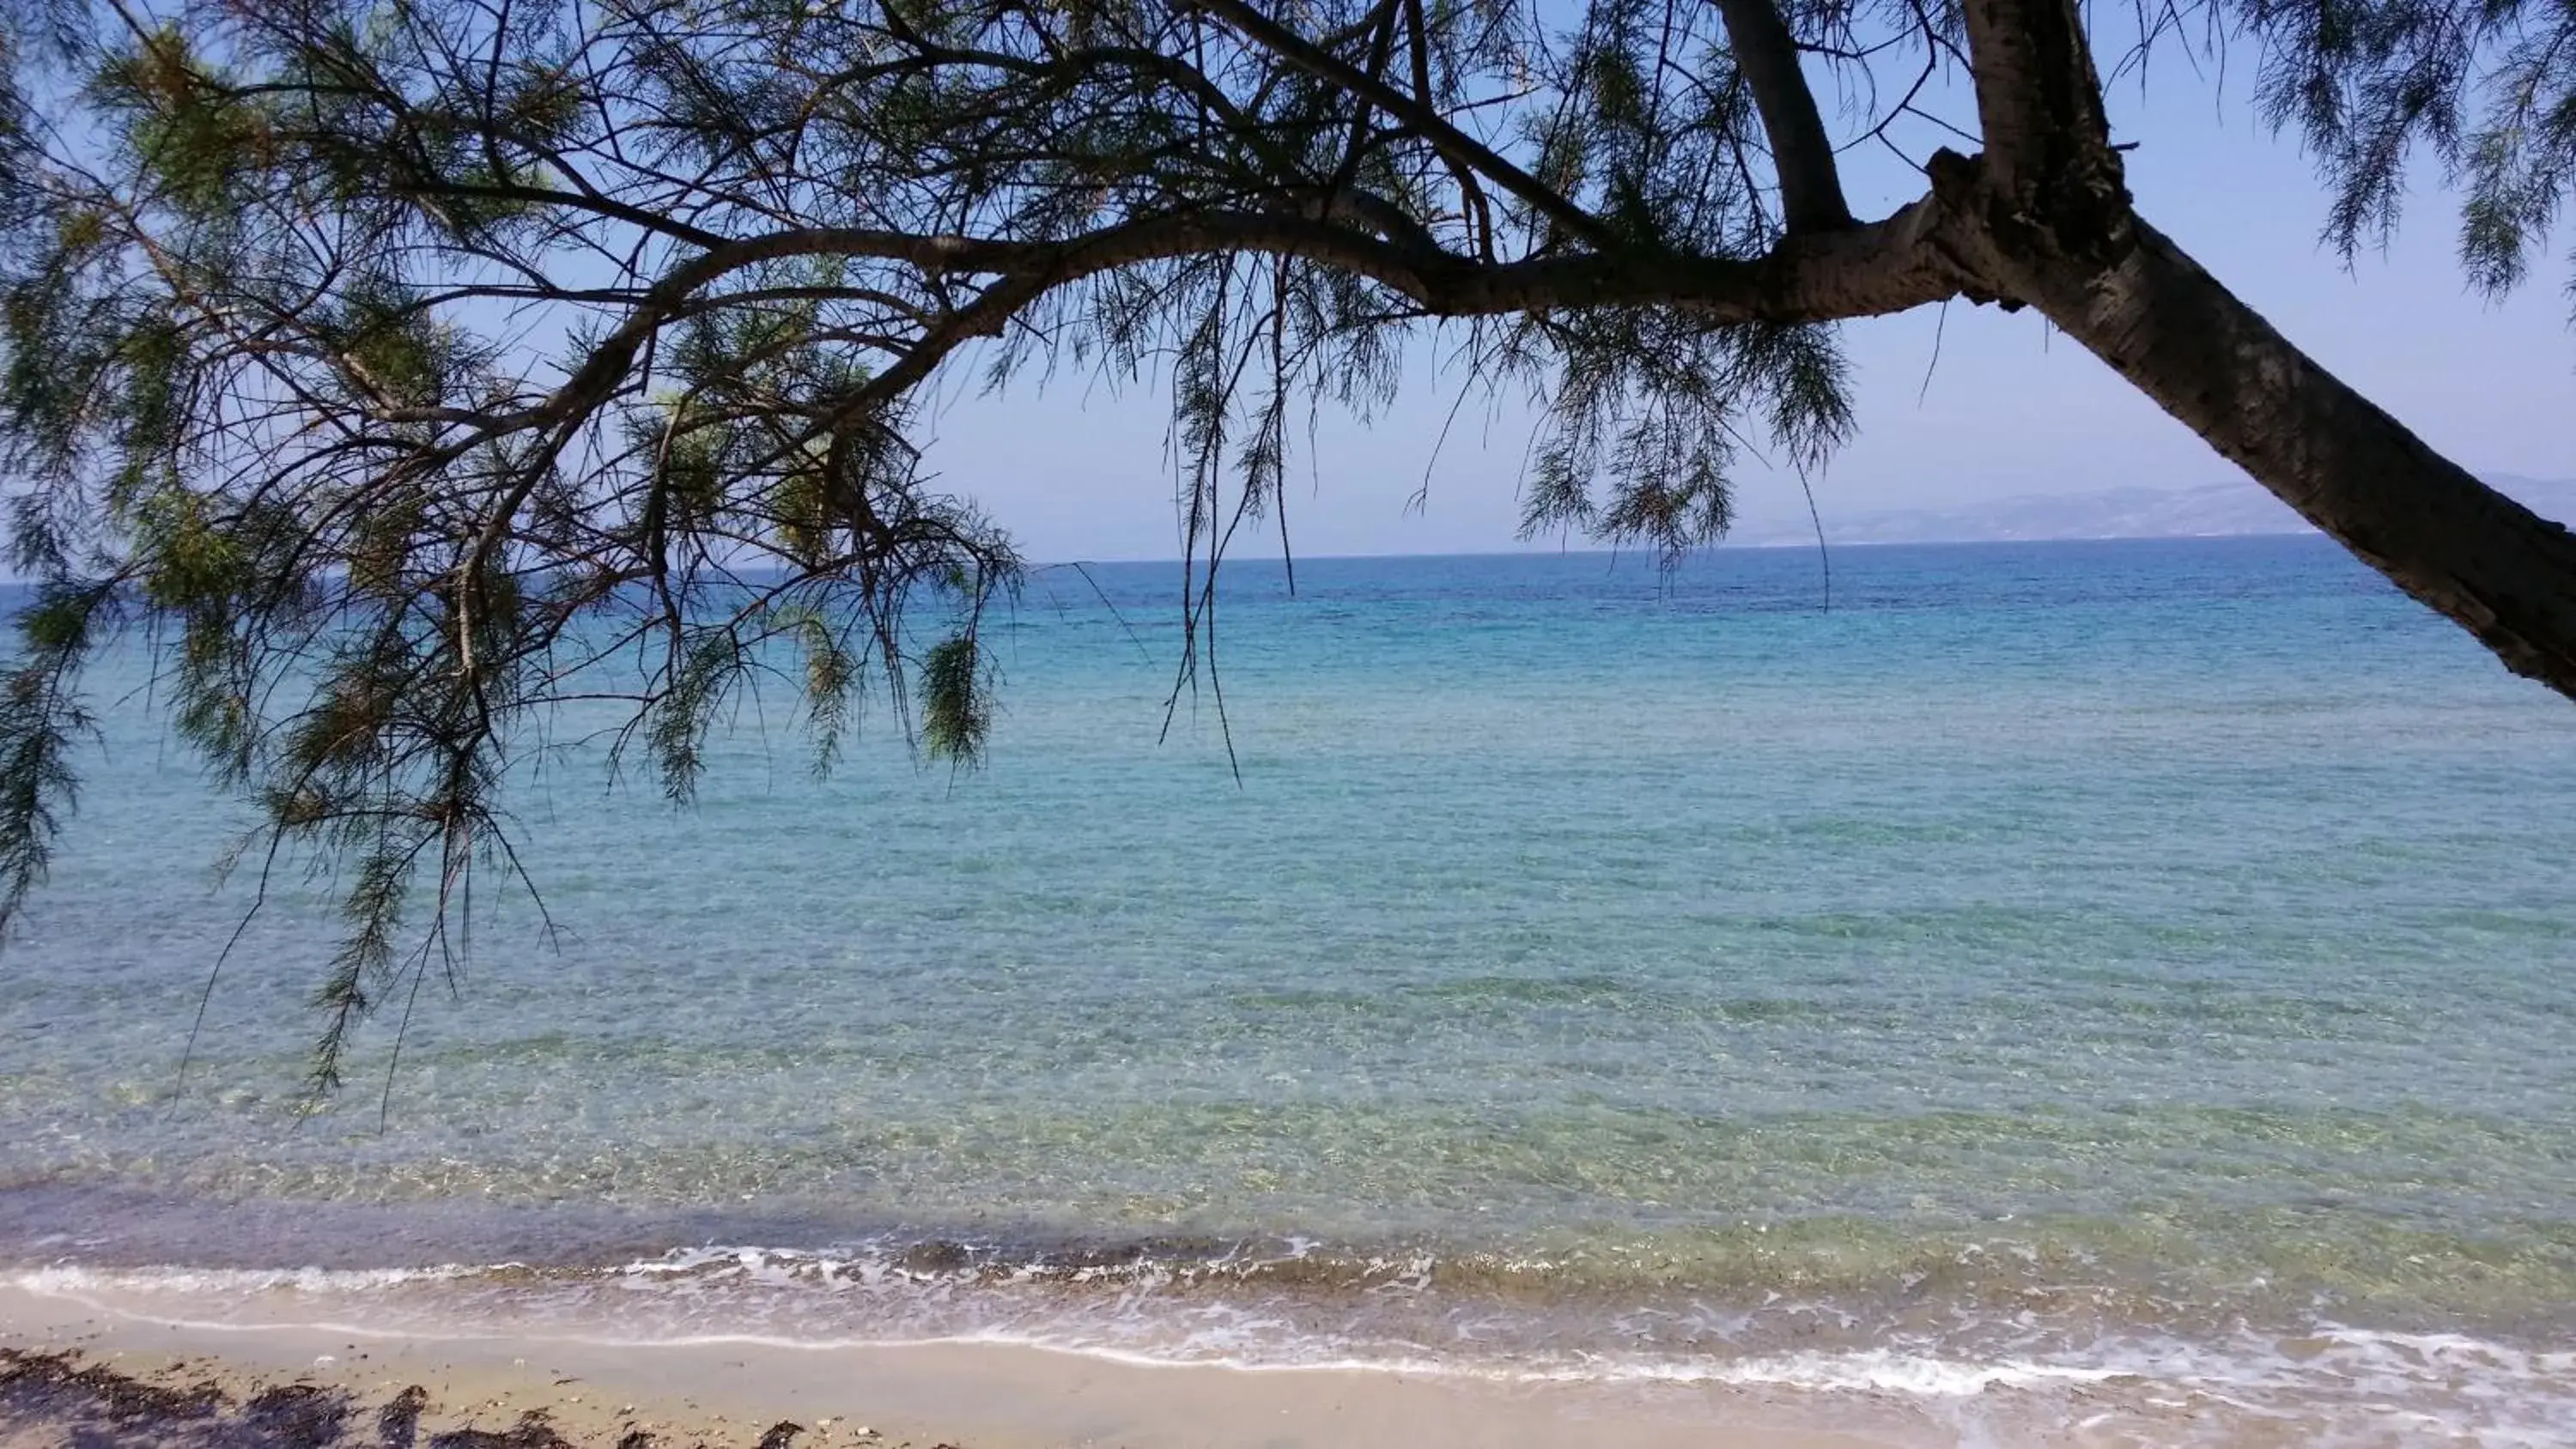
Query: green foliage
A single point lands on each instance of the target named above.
(2487, 86)
(679, 721)
(41, 720)
(956, 707)
(831, 680)
(193, 135)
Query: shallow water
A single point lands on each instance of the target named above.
(2051, 962)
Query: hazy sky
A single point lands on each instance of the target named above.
(1077, 472)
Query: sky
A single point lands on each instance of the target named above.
(1076, 470)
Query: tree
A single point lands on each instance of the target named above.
(422, 364)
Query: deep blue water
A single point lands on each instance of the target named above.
(2152, 955)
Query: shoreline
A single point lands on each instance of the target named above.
(612, 1361)
(71, 1363)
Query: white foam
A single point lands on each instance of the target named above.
(2428, 1385)
(1883, 1371)
(72, 1280)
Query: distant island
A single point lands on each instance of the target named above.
(2215, 510)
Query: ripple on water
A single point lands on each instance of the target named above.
(2051, 968)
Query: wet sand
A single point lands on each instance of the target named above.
(82, 1373)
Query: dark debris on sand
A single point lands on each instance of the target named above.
(531, 1432)
(55, 1382)
(64, 1399)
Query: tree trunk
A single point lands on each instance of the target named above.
(2501, 571)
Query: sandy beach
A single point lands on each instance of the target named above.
(84, 1373)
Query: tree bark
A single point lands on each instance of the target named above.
(1811, 188)
(2502, 572)
(2045, 216)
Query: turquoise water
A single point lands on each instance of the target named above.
(2049, 962)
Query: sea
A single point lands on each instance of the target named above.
(2112, 992)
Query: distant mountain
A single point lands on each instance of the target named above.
(2216, 510)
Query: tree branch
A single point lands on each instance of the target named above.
(1471, 195)
(1862, 271)
(1811, 190)
(2039, 102)
(1453, 144)
(2491, 565)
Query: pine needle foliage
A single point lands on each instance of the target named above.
(415, 368)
